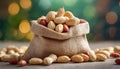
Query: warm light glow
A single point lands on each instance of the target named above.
(70, 2)
(29, 36)
(26, 4)
(24, 26)
(111, 17)
(13, 8)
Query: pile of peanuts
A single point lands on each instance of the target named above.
(13, 55)
(59, 21)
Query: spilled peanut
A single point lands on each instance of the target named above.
(50, 59)
(63, 59)
(35, 61)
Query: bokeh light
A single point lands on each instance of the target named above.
(26, 4)
(102, 6)
(13, 8)
(70, 2)
(111, 17)
(112, 32)
(24, 26)
(44, 4)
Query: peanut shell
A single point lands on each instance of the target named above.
(63, 59)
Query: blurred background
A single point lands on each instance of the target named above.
(102, 15)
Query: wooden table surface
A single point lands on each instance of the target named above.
(108, 64)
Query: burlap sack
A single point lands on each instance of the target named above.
(47, 41)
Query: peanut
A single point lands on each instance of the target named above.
(77, 58)
(117, 61)
(51, 25)
(117, 49)
(92, 56)
(72, 21)
(59, 28)
(101, 57)
(24, 47)
(69, 14)
(50, 59)
(60, 20)
(53, 56)
(65, 28)
(42, 17)
(21, 51)
(5, 58)
(1, 55)
(115, 55)
(12, 47)
(85, 57)
(82, 21)
(63, 59)
(43, 22)
(106, 53)
(109, 49)
(50, 16)
(35, 61)
(14, 56)
(11, 52)
(4, 50)
(13, 61)
(66, 19)
(22, 63)
(60, 12)
(96, 50)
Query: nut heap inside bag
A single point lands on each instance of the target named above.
(59, 21)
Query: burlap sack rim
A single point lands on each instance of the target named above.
(41, 30)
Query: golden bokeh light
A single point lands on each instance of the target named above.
(111, 17)
(24, 26)
(13, 8)
(26, 4)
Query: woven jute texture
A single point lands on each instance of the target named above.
(47, 41)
